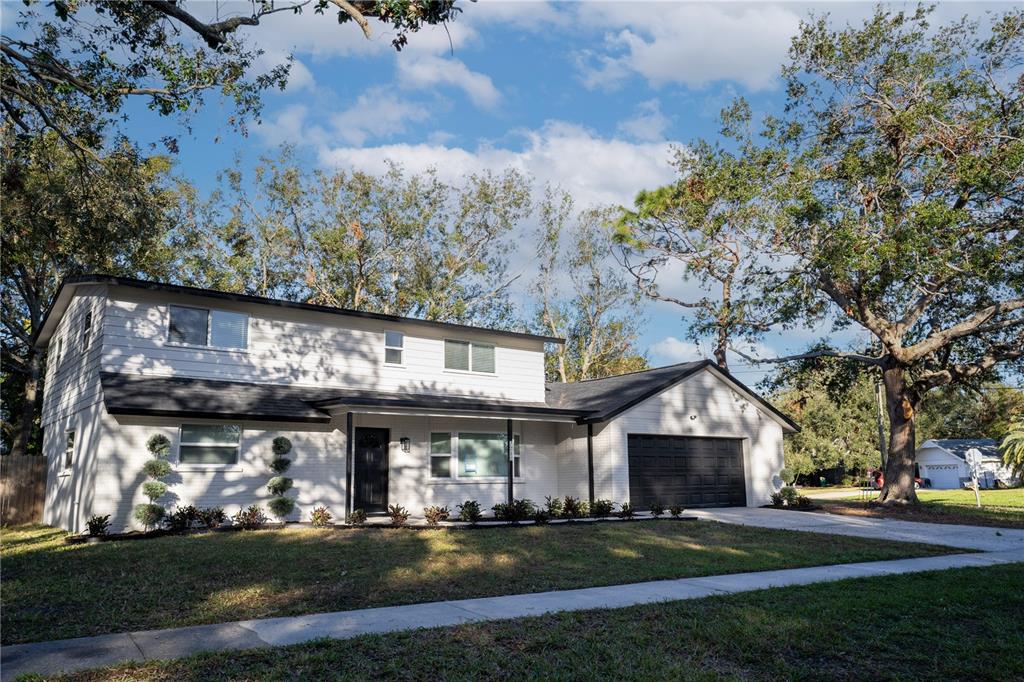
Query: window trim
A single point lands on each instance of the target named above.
(470, 343)
(453, 455)
(400, 349)
(66, 467)
(210, 465)
(209, 329)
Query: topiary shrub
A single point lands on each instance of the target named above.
(154, 490)
(148, 515)
(469, 511)
(436, 514)
(279, 485)
(320, 517)
(250, 518)
(98, 525)
(281, 507)
(657, 509)
(357, 517)
(676, 510)
(399, 514)
(626, 511)
(156, 468)
(789, 494)
(159, 445)
(279, 465)
(601, 509)
(573, 508)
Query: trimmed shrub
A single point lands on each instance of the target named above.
(676, 510)
(399, 514)
(541, 516)
(154, 490)
(281, 507)
(357, 517)
(469, 511)
(281, 446)
(279, 485)
(212, 517)
(159, 445)
(601, 509)
(250, 518)
(789, 494)
(787, 476)
(573, 508)
(777, 499)
(656, 509)
(156, 468)
(320, 517)
(98, 525)
(183, 518)
(148, 515)
(626, 511)
(553, 506)
(279, 465)
(435, 514)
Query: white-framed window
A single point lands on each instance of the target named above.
(441, 454)
(206, 327)
(469, 356)
(216, 444)
(86, 330)
(482, 455)
(394, 344)
(58, 349)
(69, 449)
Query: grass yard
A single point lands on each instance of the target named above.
(53, 591)
(946, 625)
(1000, 508)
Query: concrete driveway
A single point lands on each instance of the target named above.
(982, 538)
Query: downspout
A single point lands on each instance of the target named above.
(350, 453)
(590, 460)
(510, 451)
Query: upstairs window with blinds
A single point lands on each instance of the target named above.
(204, 327)
(469, 356)
(394, 344)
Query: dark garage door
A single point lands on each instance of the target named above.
(693, 472)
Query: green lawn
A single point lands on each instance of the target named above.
(945, 625)
(1002, 508)
(52, 590)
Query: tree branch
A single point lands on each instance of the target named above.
(823, 353)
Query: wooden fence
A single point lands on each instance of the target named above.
(22, 489)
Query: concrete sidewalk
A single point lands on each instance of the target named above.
(69, 655)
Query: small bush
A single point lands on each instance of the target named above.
(573, 508)
(212, 517)
(279, 465)
(626, 511)
(553, 506)
(789, 494)
(98, 525)
(159, 445)
(250, 518)
(601, 508)
(787, 476)
(676, 510)
(469, 511)
(657, 509)
(399, 514)
(320, 517)
(148, 515)
(803, 502)
(154, 490)
(279, 485)
(183, 518)
(541, 516)
(518, 510)
(156, 468)
(435, 514)
(777, 499)
(357, 517)
(281, 446)
(281, 507)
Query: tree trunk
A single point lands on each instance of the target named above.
(899, 469)
(27, 417)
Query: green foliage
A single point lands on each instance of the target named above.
(212, 517)
(676, 510)
(357, 517)
(657, 509)
(281, 507)
(964, 412)
(518, 510)
(279, 465)
(320, 517)
(553, 506)
(281, 446)
(279, 485)
(98, 525)
(601, 508)
(149, 515)
(183, 519)
(159, 445)
(250, 518)
(777, 499)
(156, 468)
(1012, 450)
(787, 476)
(541, 516)
(626, 511)
(573, 508)
(803, 502)
(399, 514)
(789, 494)
(154, 490)
(435, 515)
(469, 511)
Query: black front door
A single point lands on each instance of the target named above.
(371, 470)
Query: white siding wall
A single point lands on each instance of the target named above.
(72, 380)
(701, 405)
(312, 349)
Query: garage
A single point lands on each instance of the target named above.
(686, 470)
(943, 476)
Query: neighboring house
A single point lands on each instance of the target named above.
(944, 463)
(434, 409)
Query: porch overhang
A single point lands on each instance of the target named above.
(422, 405)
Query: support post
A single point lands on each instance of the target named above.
(590, 461)
(350, 455)
(510, 451)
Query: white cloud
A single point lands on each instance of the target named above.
(426, 72)
(690, 44)
(670, 351)
(595, 170)
(648, 124)
(376, 113)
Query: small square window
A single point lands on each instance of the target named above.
(394, 342)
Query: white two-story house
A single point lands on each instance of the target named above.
(438, 413)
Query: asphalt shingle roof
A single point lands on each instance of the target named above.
(959, 446)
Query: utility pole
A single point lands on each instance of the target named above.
(879, 407)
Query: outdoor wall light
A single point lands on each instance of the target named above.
(406, 443)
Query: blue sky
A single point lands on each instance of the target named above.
(589, 96)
